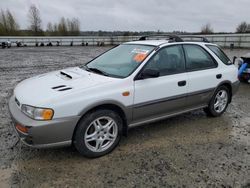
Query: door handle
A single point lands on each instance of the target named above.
(182, 83)
(219, 76)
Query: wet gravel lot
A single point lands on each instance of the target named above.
(189, 150)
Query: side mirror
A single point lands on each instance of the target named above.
(149, 73)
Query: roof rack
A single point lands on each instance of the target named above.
(172, 38)
(176, 38)
(192, 37)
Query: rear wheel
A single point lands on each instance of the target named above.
(98, 133)
(219, 102)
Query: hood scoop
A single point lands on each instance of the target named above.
(65, 74)
(61, 88)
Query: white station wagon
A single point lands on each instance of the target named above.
(137, 82)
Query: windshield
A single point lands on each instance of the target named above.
(120, 61)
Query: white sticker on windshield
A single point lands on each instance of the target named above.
(139, 51)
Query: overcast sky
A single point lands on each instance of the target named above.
(137, 15)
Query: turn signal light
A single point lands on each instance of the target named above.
(126, 93)
(47, 114)
(22, 129)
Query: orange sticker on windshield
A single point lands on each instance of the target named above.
(139, 57)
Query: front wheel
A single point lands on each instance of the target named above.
(219, 102)
(98, 133)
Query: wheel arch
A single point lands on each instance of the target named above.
(124, 112)
(228, 84)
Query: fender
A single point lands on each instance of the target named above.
(126, 110)
(233, 87)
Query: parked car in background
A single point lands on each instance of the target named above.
(244, 68)
(6, 44)
(137, 82)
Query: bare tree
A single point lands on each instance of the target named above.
(76, 26)
(70, 26)
(243, 27)
(49, 29)
(65, 27)
(13, 26)
(207, 29)
(35, 20)
(55, 28)
(1, 29)
(4, 25)
(8, 24)
(62, 27)
(73, 26)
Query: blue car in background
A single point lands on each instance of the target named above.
(244, 68)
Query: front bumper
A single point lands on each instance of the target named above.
(43, 134)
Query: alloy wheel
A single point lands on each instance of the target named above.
(101, 134)
(220, 101)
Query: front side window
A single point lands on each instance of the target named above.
(169, 60)
(220, 54)
(120, 61)
(197, 58)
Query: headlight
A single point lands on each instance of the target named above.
(37, 113)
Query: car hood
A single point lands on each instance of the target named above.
(45, 88)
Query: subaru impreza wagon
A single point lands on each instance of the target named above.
(137, 82)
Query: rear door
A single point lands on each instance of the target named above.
(156, 97)
(203, 75)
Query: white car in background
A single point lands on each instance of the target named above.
(134, 83)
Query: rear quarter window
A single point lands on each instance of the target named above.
(220, 54)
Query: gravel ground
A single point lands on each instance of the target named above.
(189, 150)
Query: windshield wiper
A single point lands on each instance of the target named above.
(98, 71)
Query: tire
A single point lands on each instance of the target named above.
(219, 102)
(98, 133)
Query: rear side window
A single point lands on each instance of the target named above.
(220, 54)
(197, 58)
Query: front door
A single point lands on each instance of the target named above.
(166, 94)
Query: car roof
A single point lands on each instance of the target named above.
(161, 42)
(148, 42)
